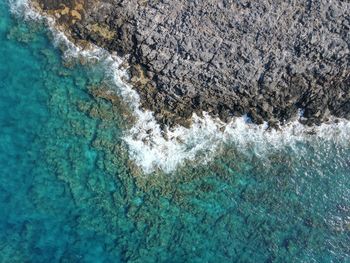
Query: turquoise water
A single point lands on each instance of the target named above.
(69, 193)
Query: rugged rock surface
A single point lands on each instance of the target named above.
(263, 58)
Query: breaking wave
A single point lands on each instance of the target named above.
(152, 148)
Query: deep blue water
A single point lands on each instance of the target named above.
(69, 194)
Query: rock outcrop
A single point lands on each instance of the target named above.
(263, 58)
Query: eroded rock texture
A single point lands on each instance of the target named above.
(263, 58)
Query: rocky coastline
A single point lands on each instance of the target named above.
(266, 59)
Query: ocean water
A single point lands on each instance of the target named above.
(74, 189)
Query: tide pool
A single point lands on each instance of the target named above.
(70, 193)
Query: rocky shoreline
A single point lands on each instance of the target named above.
(226, 57)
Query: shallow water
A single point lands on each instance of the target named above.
(70, 193)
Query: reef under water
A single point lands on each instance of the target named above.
(71, 191)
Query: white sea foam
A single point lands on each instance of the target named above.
(152, 148)
(23, 9)
(206, 135)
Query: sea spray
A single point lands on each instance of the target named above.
(154, 148)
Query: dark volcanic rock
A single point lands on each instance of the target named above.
(263, 58)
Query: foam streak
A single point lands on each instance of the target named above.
(148, 146)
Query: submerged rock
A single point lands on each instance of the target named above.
(264, 58)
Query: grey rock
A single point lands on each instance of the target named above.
(263, 58)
